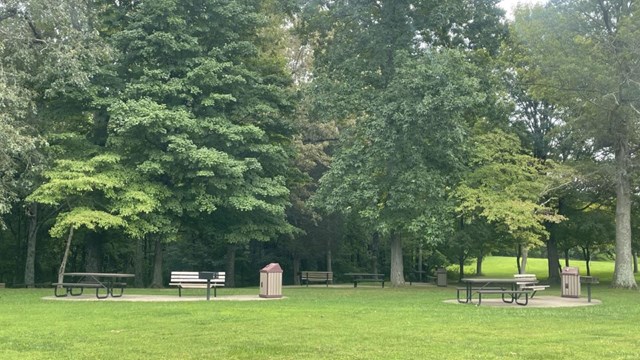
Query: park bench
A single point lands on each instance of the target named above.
(365, 277)
(316, 276)
(192, 280)
(529, 282)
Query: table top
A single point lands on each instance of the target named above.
(114, 275)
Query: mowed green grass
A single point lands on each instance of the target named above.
(504, 266)
(369, 322)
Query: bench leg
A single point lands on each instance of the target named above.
(70, 291)
(526, 300)
(180, 291)
(66, 292)
(513, 297)
(98, 293)
(466, 300)
(214, 291)
(120, 294)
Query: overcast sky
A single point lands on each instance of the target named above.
(509, 5)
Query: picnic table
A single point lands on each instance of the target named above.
(365, 277)
(507, 287)
(105, 282)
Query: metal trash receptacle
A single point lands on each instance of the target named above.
(570, 282)
(271, 281)
(441, 277)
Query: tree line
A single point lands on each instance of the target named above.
(352, 135)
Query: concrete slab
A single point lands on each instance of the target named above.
(536, 302)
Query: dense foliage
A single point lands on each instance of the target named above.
(361, 135)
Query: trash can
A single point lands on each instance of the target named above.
(271, 281)
(570, 282)
(441, 277)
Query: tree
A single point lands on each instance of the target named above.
(603, 92)
(200, 107)
(363, 55)
(506, 187)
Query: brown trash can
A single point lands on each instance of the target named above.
(441, 277)
(271, 281)
(570, 282)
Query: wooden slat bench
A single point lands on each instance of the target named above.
(192, 280)
(529, 282)
(365, 277)
(316, 276)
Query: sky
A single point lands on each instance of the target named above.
(509, 5)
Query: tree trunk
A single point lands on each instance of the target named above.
(553, 259)
(296, 269)
(156, 281)
(635, 262)
(230, 276)
(92, 254)
(525, 257)
(30, 263)
(65, 256)
(461, 266)
(587, 259)
(623, 272)
(375, 248)
(397, 266)
(479, 265)
(329, 257)
(566, 257)
(518, 253)
(138, 265)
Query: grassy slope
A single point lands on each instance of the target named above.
(319, 323)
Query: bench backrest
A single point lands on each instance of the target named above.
(193, 277)
(317, 275)
(525, 278)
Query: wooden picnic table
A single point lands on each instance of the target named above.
(366, 277)
(99, 281)
(495, 286)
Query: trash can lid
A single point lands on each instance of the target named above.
(272, 268)
(569, 270)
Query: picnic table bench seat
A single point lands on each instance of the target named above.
(366, 277)
(316, 276)
(192, 280)
(69, 286)
(514, 295)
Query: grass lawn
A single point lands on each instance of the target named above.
(318, 323)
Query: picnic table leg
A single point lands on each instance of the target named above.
(98, 292)
(66, 292)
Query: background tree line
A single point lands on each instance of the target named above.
(361, 135)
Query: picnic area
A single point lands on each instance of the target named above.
(419, 321)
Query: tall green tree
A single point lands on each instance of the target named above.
(602, 91)
(199, 105)
(382, 73)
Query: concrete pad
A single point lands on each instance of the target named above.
(161, 298)
(536, 302)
